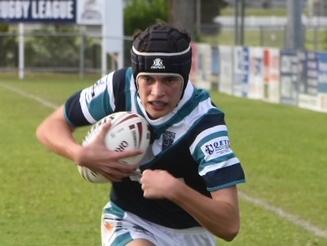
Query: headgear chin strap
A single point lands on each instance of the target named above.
(162, 49)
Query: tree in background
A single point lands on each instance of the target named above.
(8, 47)
(209, 10)
(53, 45)
(184, 13)
(139, 14)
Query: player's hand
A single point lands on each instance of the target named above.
(158, 184)
(98, 158)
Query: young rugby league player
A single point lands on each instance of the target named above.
(187, 194)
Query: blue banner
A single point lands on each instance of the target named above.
(241, 71)
(38, 11)
(322, 72)
(311, 78)
(215, 65)
(289, 76)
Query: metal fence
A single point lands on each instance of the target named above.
(80, 52)
(273, 36)
(71, 52)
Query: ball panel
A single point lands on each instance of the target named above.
(91, 176)
(128, 131)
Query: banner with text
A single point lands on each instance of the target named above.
(322, 80)
(308, 80)
(256, 73)
(241, 71)
(289, 64)
(38, 11)
(271, 74)
(226, 69)
(201, 68)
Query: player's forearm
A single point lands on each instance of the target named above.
(219, 217)
(57, 136)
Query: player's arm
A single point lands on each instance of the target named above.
(57, 135)
(219, 214)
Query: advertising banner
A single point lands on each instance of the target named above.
(38, 11)
(241, 71)
(215, 67)
(195, 63)
(322, 81)
(256, 73)
(226, 69)
(322, 72)
(308, 80)
(202, 78)
(271, 75)
(289, 64)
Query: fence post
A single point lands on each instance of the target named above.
(315, 36)
(261, 35)
(81, 56)
(21, 47)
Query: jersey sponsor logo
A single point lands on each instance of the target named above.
(168, 139)
(158, 64)
(216, 148)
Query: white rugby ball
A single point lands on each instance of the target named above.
(128, 131)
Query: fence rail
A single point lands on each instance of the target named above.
(60, 52)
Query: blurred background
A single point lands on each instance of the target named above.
(271, 51)
(261, 49)
(75, 46)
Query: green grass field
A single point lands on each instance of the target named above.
(43, 201)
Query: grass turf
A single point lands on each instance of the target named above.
(45, 202)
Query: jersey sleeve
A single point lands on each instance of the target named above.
(95, 102)
(218, 164)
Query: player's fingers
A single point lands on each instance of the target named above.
(105, 128)
(118, 174)
(126, 169)
(126, 153)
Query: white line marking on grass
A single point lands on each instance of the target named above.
(253, 200)
(285, 215)
(29, 95)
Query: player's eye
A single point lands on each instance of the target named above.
(146, 79)
(170, 80)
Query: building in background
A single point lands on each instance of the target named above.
(265, 3)
(261, 3)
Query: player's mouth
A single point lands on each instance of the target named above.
(158, 105)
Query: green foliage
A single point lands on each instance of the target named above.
(4, 27)
(139, 14)
(45, 48)
(210, 9)
(230, 11)
(8, 47)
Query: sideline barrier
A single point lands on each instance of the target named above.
(297, 78)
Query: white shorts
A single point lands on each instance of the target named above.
(119, 227)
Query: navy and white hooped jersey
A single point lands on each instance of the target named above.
(191, 143)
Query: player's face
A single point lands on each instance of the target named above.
(159, 94)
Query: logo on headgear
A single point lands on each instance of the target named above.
(158, 64)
